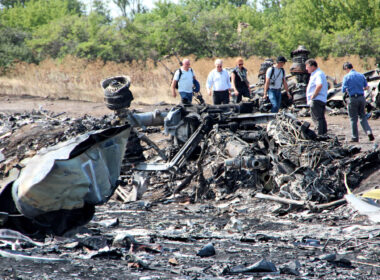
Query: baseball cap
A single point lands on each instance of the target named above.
(281, 59)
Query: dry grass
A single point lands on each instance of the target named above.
(78, 79)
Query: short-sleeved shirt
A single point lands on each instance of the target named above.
(185, 83)
(277, 77)
(354, 83)
(219, 81)
(317, 77)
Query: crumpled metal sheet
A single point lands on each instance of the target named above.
(66, 176)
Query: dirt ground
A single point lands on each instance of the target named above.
(337, 124)
(336, 244)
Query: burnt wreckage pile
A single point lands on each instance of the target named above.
(216, 150)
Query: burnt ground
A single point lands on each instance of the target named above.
(161, 237)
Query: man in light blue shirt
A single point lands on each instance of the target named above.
(316, 95)
(218, 84)
(354, 84)
(183, 80)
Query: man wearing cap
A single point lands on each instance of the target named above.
(354, 84)
(275, 78)
(316, 95)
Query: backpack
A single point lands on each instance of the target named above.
(272, 73)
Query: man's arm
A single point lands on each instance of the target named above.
(286, 88)
(174, 83)
(266, 86)
(316, 91)
(344, 84)
(209, 83)
(233, 82)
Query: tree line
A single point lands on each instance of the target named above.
(33, 30)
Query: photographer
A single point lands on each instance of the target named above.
(275, 78)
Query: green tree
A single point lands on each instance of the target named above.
(13, 47)
(130, 7)
(38, 12)
(12, 3)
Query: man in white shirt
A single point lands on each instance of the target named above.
(183, 80)
(218, 84)
(316, 95)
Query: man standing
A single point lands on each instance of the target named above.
(218, 84)
(183, 80)
(354, 84)
(239, 81)
(275, 78)
(316, 94)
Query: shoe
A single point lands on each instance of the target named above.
(371, 137)
(354, 140)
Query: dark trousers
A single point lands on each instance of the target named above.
(221, 97)
(317, 112)
(237, 97)
(356, 108)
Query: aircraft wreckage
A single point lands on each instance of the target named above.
(214, 149)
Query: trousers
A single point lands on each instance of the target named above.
(356, 109)
(275, 99)
(317, 112)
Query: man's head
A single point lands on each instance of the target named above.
(347, 66)
(186, 64)
(219, 65)
(281, 61)
(311, 65)
(240, 62)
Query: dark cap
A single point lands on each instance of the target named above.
(281, 59)
(347, 65)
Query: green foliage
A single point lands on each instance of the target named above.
(11, 3)
(201, 27)
(38, 12)
(13, 47)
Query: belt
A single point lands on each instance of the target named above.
(275, 88)
(356, 95)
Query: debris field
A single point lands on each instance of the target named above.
(251, 197)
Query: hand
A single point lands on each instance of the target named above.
(289, 96)
(265, 96)
(174, 94)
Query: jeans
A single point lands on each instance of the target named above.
(356, 108)
(317, 112)
(275, 98)
(186, 97)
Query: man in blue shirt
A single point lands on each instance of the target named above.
(316, 94)
(183, 79)
(354, 84)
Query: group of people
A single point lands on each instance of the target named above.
(219, 84)
(222, 87)
(353, 86)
